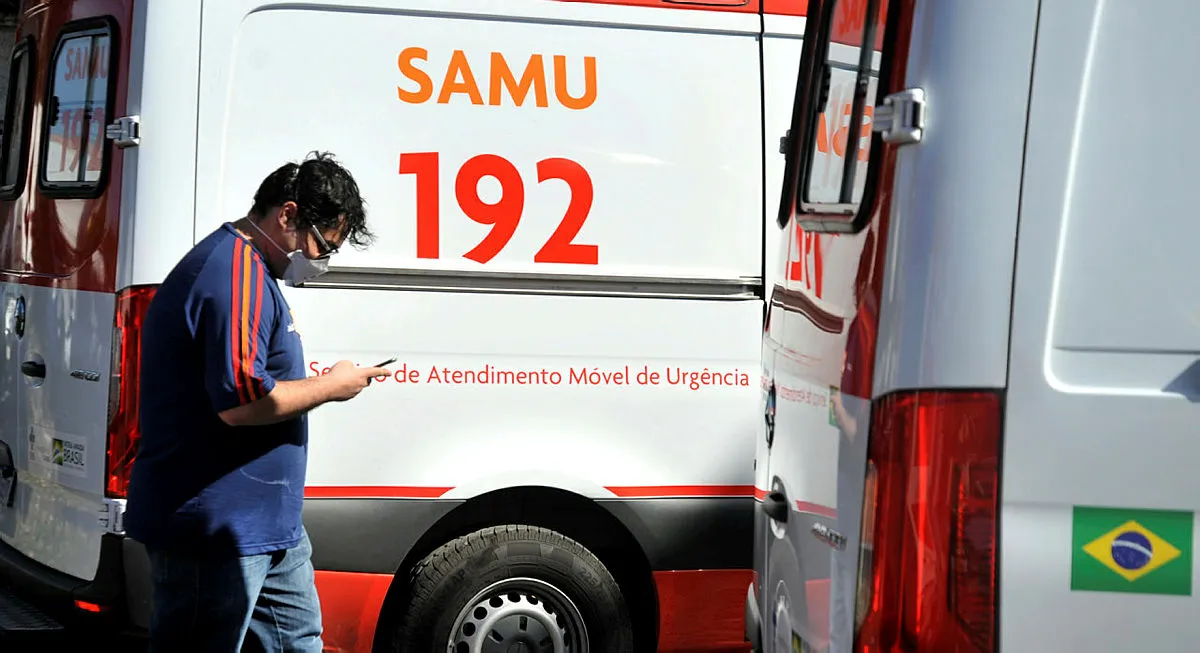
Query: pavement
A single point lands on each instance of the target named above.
(25, 628)
(82, 641)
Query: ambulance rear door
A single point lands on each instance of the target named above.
(13, 164)
(59, 260)
(811, 470)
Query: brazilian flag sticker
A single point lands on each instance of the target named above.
(1140, 551)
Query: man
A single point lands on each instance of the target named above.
(218, 483)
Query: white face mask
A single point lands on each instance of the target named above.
(300, 268)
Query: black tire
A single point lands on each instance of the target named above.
(446, 580)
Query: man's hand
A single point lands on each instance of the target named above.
(291, 398)
(347, 379)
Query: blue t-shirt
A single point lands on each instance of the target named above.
(218, 334)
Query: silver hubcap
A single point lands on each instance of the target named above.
(519, 615)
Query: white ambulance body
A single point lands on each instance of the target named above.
(572, 201)
(980, 357)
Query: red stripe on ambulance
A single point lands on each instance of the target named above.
(373, 492)
(423, 492)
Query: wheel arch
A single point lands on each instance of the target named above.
(575, 516)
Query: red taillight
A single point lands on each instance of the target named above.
(931, 584)
(88, 606)
(123, 388)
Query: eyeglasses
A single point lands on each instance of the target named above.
(326, 249)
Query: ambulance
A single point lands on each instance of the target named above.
(979, 388)
(572, 201)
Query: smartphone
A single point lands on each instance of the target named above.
(386, 362)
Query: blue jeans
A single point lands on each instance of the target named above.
(216, 604)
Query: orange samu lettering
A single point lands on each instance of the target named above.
(460, 79)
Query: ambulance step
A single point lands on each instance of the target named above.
(17, 616)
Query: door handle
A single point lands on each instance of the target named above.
(775, 505)
(34, 369)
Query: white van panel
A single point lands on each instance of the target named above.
(672, 147)
(60, 449)
(952, 228)
(667, 201)
(165, 97)
(1102, 398)
(445, 434)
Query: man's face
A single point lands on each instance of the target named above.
(282, 227)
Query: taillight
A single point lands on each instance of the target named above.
(88, 606)
(123, 388)
(930, 582)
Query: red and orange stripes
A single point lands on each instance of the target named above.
(245, 312)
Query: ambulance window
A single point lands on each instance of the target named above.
(834, 172)
(16, 121)
(73, 150)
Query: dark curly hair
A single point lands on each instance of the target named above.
(323, 191)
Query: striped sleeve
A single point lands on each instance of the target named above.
(239, 324)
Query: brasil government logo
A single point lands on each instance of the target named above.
(1140, 551)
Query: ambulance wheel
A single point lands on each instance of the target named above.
(514, 588)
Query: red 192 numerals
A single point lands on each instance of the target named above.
(505, 214)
